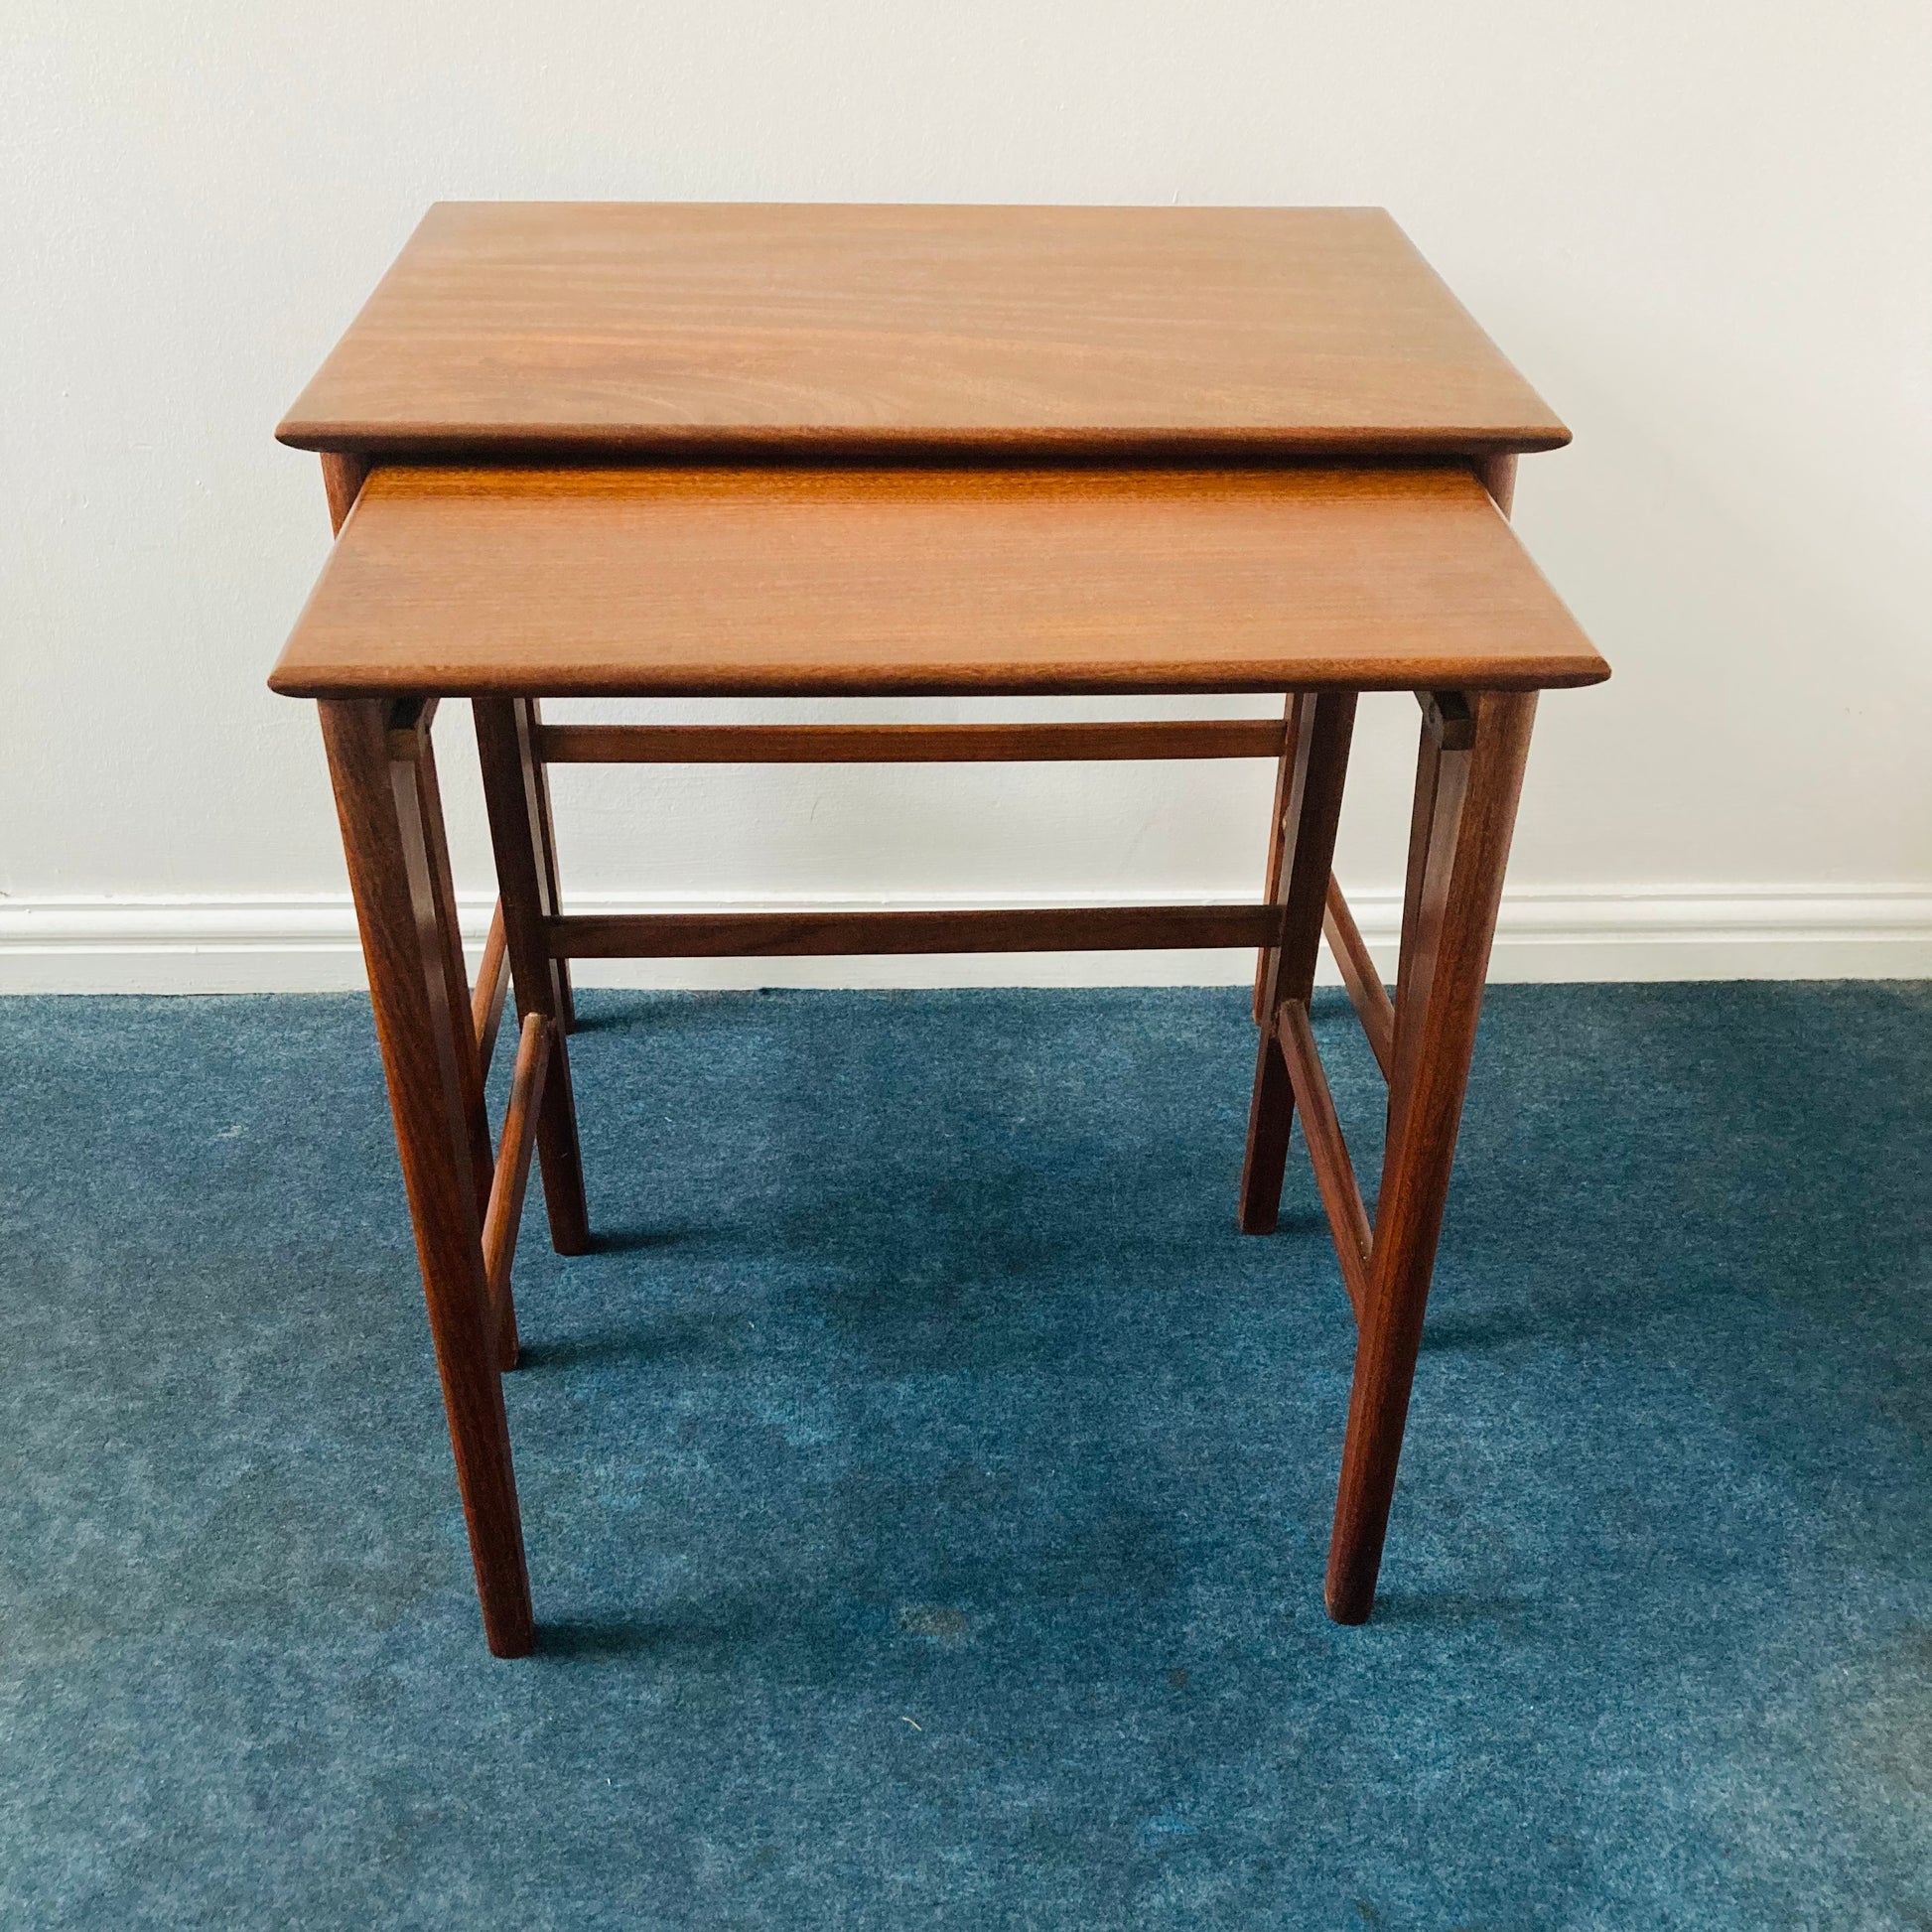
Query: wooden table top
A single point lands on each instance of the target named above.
(668, 328)
(655, 580)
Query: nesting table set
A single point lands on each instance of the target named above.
(663, 449)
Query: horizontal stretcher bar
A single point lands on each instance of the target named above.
(1079, 928)
(1155, 738)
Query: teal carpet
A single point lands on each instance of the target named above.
(927, 1489)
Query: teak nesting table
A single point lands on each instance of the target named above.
(625, 450)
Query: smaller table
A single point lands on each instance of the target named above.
(1356, 545)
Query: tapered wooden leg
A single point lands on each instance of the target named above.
(392, 875)
(455, 978)
(1430, 777)
(1465, 812)
(512, 779)
(1316, 762)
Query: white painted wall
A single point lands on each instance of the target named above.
(1702, 231)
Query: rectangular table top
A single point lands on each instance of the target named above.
(655, 580)
(724, 327)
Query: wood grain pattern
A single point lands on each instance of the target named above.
(1212, 737)
(389, 872)
(1465, 813)
(1032, 928)
(747, 583)
(667, 327)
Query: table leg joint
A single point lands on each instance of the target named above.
(407, 722)
(1449, 718)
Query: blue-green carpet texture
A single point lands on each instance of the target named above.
(927, 1489)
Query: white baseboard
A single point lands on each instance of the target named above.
(304, 945)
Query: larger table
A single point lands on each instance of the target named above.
(652, 450)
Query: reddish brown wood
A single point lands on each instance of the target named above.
(512, 790)
(409, 721)
(1361, 976)
(341, 481)
(1151, 737)
(1320, 724)
(1334, 1173)
(1074, 928)
(1497, 474)
(679, 327)
(391, 875)
(794, 581)
(1429, 776)
(546, 824)
(1271, 1103)
(1471, 811)
(1449, 718)
(449, 948)
(895, 427)
(1272, 874)
(511, 1179)
(492, 983)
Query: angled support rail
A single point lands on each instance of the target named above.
(1334, 1173)
(1361, 976)
(492, 983)
(510, 1180)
